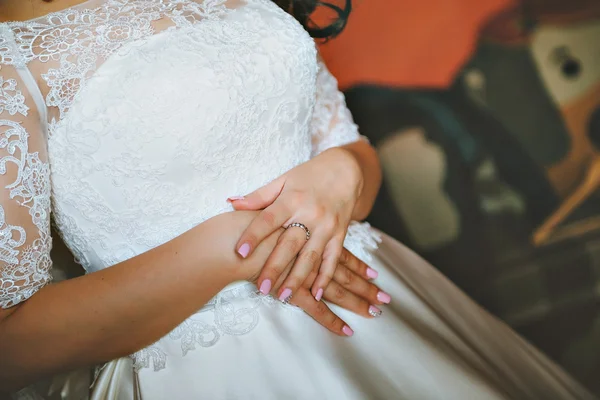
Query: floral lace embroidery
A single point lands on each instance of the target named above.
(25, 270)
(332, 123)
(73, 44)
(79, 39)
(11, 99)
(150, 356)
(228, 318)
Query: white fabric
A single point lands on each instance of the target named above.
(431, 342)
(161, 109)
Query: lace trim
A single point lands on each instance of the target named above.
(28, 269)
(361, 240)
(229, 318)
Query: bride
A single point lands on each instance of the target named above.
(190, 152)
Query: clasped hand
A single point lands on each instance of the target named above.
(321, 195)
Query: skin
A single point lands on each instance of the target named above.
(324, 194)
(122, 309)
(22, 10)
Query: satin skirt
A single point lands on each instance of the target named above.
(431, 342)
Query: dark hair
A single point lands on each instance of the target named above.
(303, 9)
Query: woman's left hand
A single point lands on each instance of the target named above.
(320, 194)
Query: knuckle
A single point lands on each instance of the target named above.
(329, 223)
(311, 257)
(296, 199)
(319, 212)
(347, 277)
(292, 244)
(334, 321)
(251, 237)
(344, 256)
(339, 293)
(352, 261)
(269, 218)
(321, 309)
(274, 270)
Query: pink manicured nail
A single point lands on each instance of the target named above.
(285, 294)
(319, 294)
(235, 198)
(244, 250)
(384, 297)
(371, 273)
(374, 311)
(347, 331)
(265, 286)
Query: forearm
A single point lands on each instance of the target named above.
(119, 310)
(367, 161)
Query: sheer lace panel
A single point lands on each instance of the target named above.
(332, 123)
(67, 47)
(25, 239)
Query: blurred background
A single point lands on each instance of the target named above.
(486, 116)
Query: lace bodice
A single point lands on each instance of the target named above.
(133, 121)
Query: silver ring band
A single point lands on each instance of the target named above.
(301, 226)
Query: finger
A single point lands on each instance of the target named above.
(357, 285)
(355, 265)
(282, 277)
(260, 198)
(319, 311)
(331, 256)
(265, 223)
(342, 297)
(289, 245)
(309, 260)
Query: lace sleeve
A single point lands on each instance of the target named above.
(332, 124)
(25, 239)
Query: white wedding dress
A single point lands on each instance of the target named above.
(132, 121)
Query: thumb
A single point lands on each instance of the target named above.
(260, 198)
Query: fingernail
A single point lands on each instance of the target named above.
(319, 294)
(374, 311)
(384, 297)
(244, 250)
(347, 331)
(234, 198)
(285, 295)
(265, 286)
(371, 273)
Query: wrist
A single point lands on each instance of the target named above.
(347, 169)
(220, 234)
(367, 160)
(224, 230)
